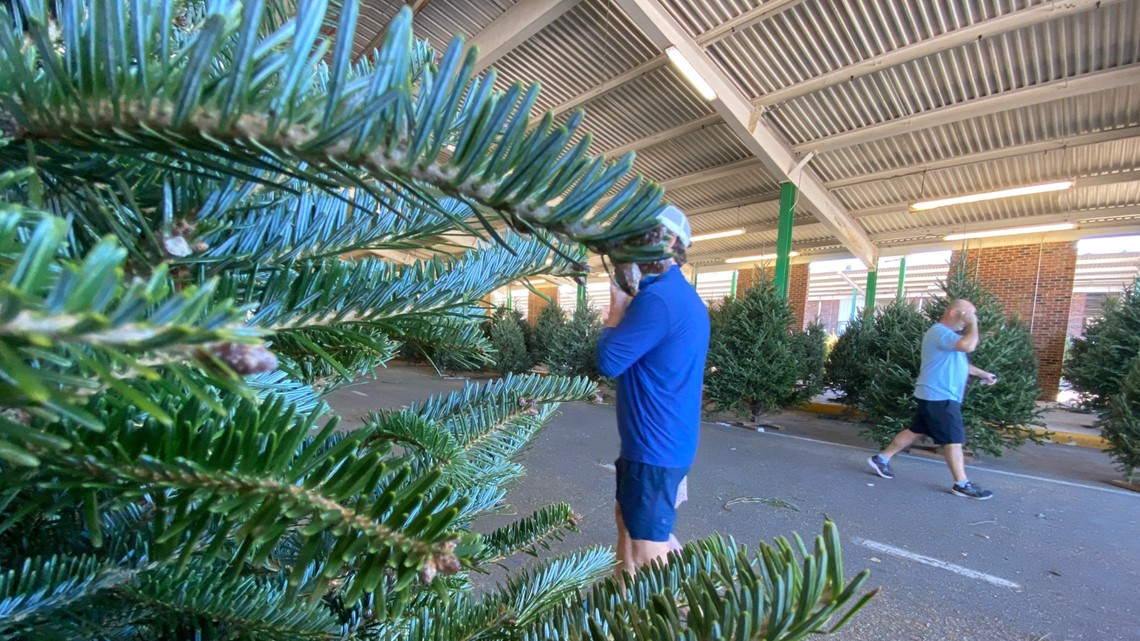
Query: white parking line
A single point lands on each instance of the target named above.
(938, 563)
(984, 470)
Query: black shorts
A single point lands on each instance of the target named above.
(940, 420)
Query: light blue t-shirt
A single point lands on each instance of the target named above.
(944, 369)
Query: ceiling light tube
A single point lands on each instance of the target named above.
(992, 195)
(1012, 231)
(720, 234)
(690, 73)
(752, 259)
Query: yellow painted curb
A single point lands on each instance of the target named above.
(832, 409)
(1092, 441)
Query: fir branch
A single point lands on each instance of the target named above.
(44, 588)
(529, 534)
(248, 608)
(728, 594)
(265, 111)
(259, 469)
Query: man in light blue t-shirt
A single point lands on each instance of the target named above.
(939, 391)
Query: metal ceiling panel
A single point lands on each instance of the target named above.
(1057, 50)
(590, 44)
(655, 102)
(750, 184)
(709, 147)
(812, 38)
(440, 22)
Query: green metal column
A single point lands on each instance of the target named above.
(902, 279)
(784, 237)
(581, 296)
(854, 304)
(510, 300)
(869, 300)
(694, 279)
(732, 288)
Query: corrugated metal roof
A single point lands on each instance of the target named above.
(777, 45)
(655, 102)
(690, 153)
(439, 22)
(751, 184)
(814, 37)
(590, 44)
(1057, 50)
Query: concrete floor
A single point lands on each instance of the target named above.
(1054, 556)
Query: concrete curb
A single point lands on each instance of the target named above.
(1077, 439)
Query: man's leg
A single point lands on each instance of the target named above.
(902, 440)
(645, 552)
(955, 460)
(624, 547)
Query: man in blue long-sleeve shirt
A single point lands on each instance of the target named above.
(655, 346)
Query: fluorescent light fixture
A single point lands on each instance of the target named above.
(690, 73)
(992, 195)
(752, 259)
(719, 234)
(1012, 231)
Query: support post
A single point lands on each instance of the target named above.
(901, 293)
(854, 304)
(732, 288)
(869, 300)
(784, 237)
(510, 299)
(581, 296)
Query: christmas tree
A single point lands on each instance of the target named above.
(574, 351)
(848, 370)
(757, 364)
(892, 356)
(1093, 362)
(179, 183)
(1120, 424)
(546, 333)
(508, 339)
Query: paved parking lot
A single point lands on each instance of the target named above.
(1054, 556)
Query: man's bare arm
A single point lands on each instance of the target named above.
(969, 340)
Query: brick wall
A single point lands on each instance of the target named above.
(797, 292)
(1035, 282)
(1077, 314)
(536, 303)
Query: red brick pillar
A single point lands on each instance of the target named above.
(536, 303)
(1036, 283)
(797, 293)
(1077, 314)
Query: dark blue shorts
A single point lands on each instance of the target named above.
(940, 420)
(647, 496)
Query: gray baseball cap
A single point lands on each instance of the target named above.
(675, 221)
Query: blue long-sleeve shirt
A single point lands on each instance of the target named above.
(657, 353)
